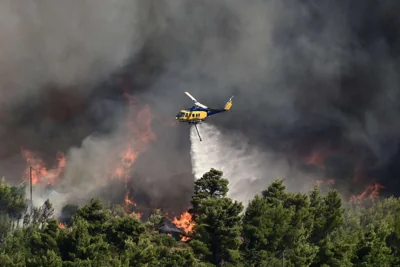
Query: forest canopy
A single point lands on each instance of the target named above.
(277, 228)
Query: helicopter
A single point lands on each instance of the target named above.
(199, 112)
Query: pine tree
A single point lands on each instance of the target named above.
(218, 220)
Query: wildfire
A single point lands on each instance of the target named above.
(129, 206)
(128, 157)
(370, 192)
(318, 158)
(128, 201)
(138, 134)
(186, 223)
(37, 168)
(61, 225)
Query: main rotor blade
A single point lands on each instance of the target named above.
(189, 95)
(197, 103)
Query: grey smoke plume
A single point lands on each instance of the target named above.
(307, 77)
(65, 43)
(54, 54)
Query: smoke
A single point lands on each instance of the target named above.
(308, 78)
(54, 55)
(65, 44)
(248, 169)
(56, 59)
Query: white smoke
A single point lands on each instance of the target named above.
(248, 169)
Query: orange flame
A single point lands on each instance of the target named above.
(186, 223)
(128, 201)
(129, 206)
(39, 170)
(61, 225)
(128, 158)
(139, 134)
(370, 192)
(317, 158)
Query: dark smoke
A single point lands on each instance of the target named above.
(307, 77)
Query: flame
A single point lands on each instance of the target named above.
(128, 201)
(143, 127)
(129, 206)
(128, 158)
(370, 192)
(37, 168)
(61, 225)
(317, 158)
(186, 223)
(139, 133)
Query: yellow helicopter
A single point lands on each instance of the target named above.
(199, 112)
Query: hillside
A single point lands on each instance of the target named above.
(277, 228)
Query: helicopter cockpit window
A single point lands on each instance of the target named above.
(180, 115)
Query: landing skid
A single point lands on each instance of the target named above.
(195, 125)
(198, 132)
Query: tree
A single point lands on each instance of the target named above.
(120, 229)
(210, 185)
(328, 232)
(155, 219)
(303, 230)
(46, 212)
(278, 222)
(263, 229)
(95, 214)
(218, 220)
(12, 207)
